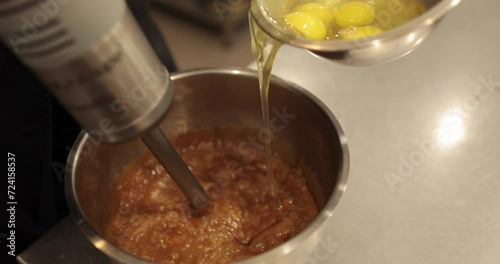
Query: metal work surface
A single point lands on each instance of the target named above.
(424, 137)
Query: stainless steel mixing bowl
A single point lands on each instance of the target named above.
(387, 46)
(219, 97)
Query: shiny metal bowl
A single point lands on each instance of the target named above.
(218, 97)
(387, 46)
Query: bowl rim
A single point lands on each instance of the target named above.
(426, 19)
(124, 257)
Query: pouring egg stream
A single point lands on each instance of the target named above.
(320, 20)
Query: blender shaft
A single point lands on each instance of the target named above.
(178, 170)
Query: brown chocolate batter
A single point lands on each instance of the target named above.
(149, 216)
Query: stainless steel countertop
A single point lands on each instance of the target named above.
(424, 136)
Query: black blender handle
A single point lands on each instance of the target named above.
(140, 10)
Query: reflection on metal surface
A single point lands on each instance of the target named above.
(418, 41)
(451, 130)
(100, 243)
(377, 43)
(411, 37)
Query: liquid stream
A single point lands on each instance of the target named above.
(264, 49)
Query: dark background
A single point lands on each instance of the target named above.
(38, 131)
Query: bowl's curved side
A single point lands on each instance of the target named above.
(77, 213)
(383, 47)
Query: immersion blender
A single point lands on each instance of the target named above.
(97, 62)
